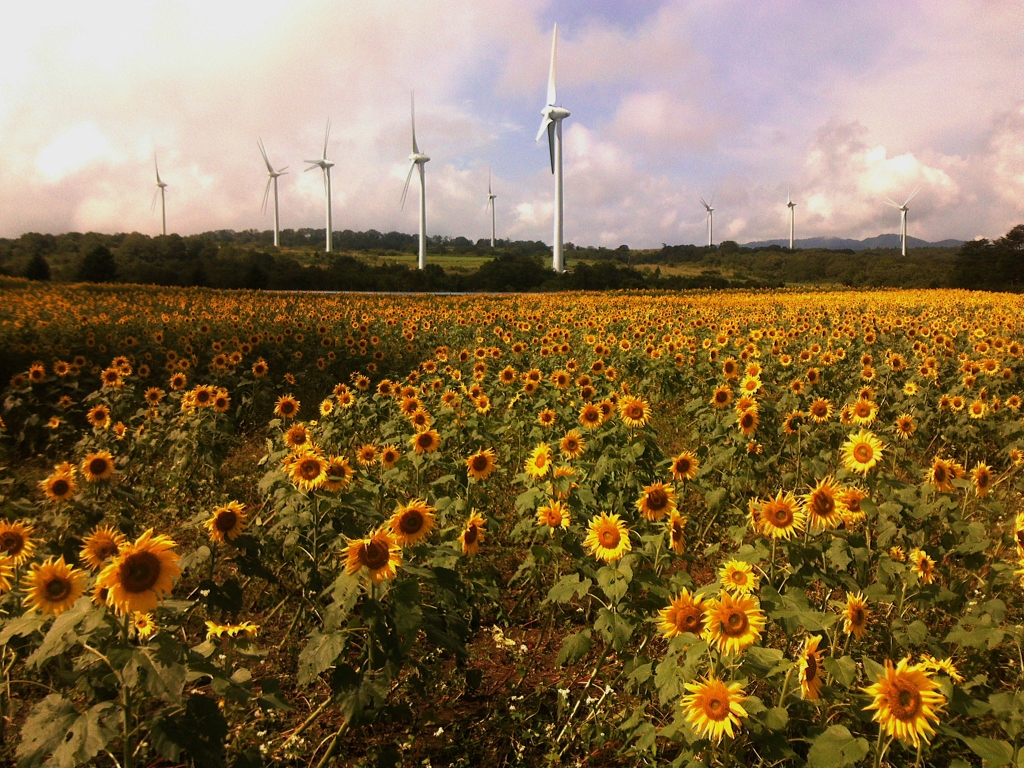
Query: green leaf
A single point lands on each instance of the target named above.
(613, 628)
(319, 654)
(49, 723)
(62, 634)
(575, 647)
(200, 731)
(90, 733)
(568, 586)
(836, 748)
(163, 680)
(715, 498)
(21, 627)
(994, 753)
(776, 718)
(613, 582)
(844, 670)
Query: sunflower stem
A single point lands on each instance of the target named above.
(785, 687)
(126, 694)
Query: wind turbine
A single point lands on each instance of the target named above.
(490, 202)
(792, 206)
(552, 122)
(903, 217)
(162, 185)
(417, 158)
(711, 220)
(325, 165)
(266, 194)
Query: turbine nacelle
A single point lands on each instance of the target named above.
(418, 157)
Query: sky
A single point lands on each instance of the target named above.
(838, 104)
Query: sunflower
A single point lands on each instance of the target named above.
(154, 395)
(539, 461)
(308, 470)
(141, 574)
(634, 411)
(905, 426)
(339, 474)
(420, 419)
(554, 514)
(379, 554)
(656, 501)
(906, 702)
(144, 625)
(590, 416)
(98, 466)
(684, 467)
(714, 708)
(426, 441)
(16, 541)
(61, 485)
(411, 522)
(780, 517)
(6, 572)
(102, 543)
(738, 577)
(734, 622)
(861, 452)
(607, 537)
(53, 587)
(922, 565)
(227, 522)
(977, 409)
(287, 407)
(855, 621)
(810, 666)
(863, 412)
(473, 534)
(721, 397)
(684, 614)
(982, 477)
(945, 666)
(849, 506)
(820, 410)
(572, 445)
(822, 507)
(297, 436)
(941, 475)
(99, 416)
(676, 530)
(748, 421)
(547, 417)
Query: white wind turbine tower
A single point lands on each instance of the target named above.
(490, 202)
(792, 206)
(266, 195)
(417, 158)
(162, 185)
(903, 217)
(711, 220)
(553, 117)
(325, 165)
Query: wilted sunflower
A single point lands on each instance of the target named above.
(861, 452)
(855, 621)
(16, 541)
(684, 614)
(98, 466)
(102, 543)
(780, 517)
(734, 622)
(634, 411)
(684, 467)
(53, 586)
(287, 407)
(141, 574)
(922, 565)
(539, 461)
(227, 522)
(426, 441)
(572, 445)
(810, 667)
(676, 530)
(906, 702)
(308, 470)
(61, 485)
(379, 554)
(473, 534)
(982, 477)
(410, 523)
(738, 577)
(714, 708)
(656, 501)
(554, 514)
(822, 506)
(607, 537)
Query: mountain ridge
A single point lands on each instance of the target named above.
(839, 243)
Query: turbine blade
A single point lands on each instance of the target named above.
(156, 194)
(890, 201)
(543, 126)
(916, 190)
(281, 171)
(702, 202)
(327, 172)
(263, 151)
(313, 164)
(327, 135)
(408, 178)
(157, 167)
(488, 182)
(551, 143)
(551, 74)
(266, 193)
(412, 101)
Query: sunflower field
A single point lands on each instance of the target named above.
(272, 529)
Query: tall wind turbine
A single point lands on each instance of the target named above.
(417, 158)
(792, 206)
(552, 122)
(711, 220)
(266, 194)
(490, 202)
(325, 165)
(162, 185)
(903, 217)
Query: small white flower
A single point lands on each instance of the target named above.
(439, 731)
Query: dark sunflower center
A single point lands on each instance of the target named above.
(735, 623)
(139, 572)
(11, 542)
(857, 616)
(721, 396)
(480, 463)
(57, 588)
(716, 708)
(98, 467)
(683, 466)
(411, 522)
(309, 469)
(609, 538)
(425, 440)
(863, 453)
(905, 701)
(226, 520)
(657, 499)
(689, 619)
(635, 411)
(812, 668)
(287, 408)
(822, 504)
(471, 534)
(60, 486)
(783, 516)
(747, 421)
(375, 555)
(939, 473)
(104, 549)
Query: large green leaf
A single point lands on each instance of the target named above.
(994, 753)
(575, 647)
(55, 728)
(837, 747)
(319, 654)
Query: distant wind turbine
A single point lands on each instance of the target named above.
(162, 185)
(903, 217)
(792, 206)
(711, 220)
(552, 123)
(417, 158)
(325, 165)
(490, 202)
(266, 194)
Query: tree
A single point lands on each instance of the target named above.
(97, 266)
(38, 268)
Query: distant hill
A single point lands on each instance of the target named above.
(838, 243)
